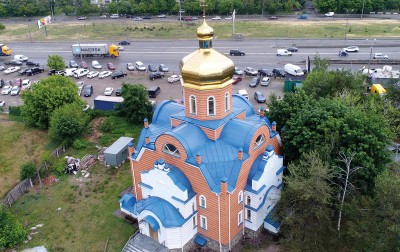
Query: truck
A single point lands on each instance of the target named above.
(5, 50)
(92, 50)
(102, 102)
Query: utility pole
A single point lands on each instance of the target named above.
(370, 56)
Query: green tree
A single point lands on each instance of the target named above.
(304, 209)
(136, 105)
(11, 230)
(45, 97)
(67, 123)
(55, 62)
(27, 170)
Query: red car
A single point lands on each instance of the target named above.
(236, 79)
(111, 66)
(84, 64)
(18, 82)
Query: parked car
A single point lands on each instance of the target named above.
(259, 96)
(194, 18)
(128, 16)
(163, 68)
(20, 57)
(228, 18)
(92, 74)
(69, 71)
(96, 64)
(254, 82)
(1, 83)
(6, 90)
(84, 64)
(60, 72)
(292, 49)
(118, 74)
(23, 71)
(250, 71)
(343, 54)
(52, 72)
(302, 16)
(330, 14)
(118, 92)
(88, 90)
(161, 16)
(35, 70)
(174, 78)
(140, 66)
(104, 74)
(82, 18)
(31, 63)
(147, 17)
(272, 18)
(216, 18)
(187, 19)
(265, 81)
(236, 52)
(15, 90)
(12, 69)
(80, 72)
(380, 56)
(2, 103)
(264, 72)
(278, 72)
(156, 75)
(13, 63)
(103, 16)
(243, 93)
(18, 82)
(152, 68)
(73, 64)
(236, 79)
(108, 91)
(124, 42)
(2, 68)
(238, 71)
(80, 85)
(130, 67)
(114, 16)
(137, 19)
(351, 49)
(26, 84)
(110, 66)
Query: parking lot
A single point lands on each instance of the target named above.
(168, 91)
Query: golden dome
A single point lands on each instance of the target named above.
(206, 68)
(205, 32)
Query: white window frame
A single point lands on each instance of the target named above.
(214, 106)
(167, 150)
(261, 140)
(191, 101)
(248, 200)
(240, 218)
(240, 197)
(248, 214)
(201, 198)
(227, 104)
(203, 222)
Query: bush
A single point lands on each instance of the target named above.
(79, 144)
(11, 231)
(27, 170)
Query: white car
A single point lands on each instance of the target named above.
(92, 74)
(80, 72)
(20, 57)
(15, 90)
(2, 103)
(161, 16)
(140, 66)
(216, 18)
(96, 64)
(2, 68)
(6, 90)
(380, 56)
(174, 78)
(114, 16)
(104, 74)
(330, 14)
(265, 81)
(69, 71)
(351, 49)
(130, 67)
(228, 18)
(26, 84)
(108, 91)
(80, 85)
(121, 48)
(12, 69)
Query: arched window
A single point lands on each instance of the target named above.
(211, 105)
(171, 150)
(203, 203)
(193, 105)
(248, 201)
(240, 197)
(227, 101)
(259, 141)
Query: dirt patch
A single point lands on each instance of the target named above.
(95, 134)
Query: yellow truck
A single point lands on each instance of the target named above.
(92, 50)
(5, 50)
(378, 89)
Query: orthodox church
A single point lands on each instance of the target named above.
(208, 171)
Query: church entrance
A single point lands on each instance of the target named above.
(153, 234)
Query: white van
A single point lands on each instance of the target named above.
(243, 93)
(20, 57)
(293, 70)
(283, 52)
(114, 16)
(80, 72)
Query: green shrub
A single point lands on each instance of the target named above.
(27, 170)
(79, 144)
(11, 230)
(108, 125)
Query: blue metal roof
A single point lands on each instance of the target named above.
(270, 220)
(152, 222)
(165, 211)
(200, 240)
(241, 102)
(239, 133)
(164, 110)
(127, 202)
(181, 180)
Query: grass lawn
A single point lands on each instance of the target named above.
(100, 29)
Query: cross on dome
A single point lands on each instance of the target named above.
(204, 5)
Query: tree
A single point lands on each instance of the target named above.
(27, 170)
(67, 123)
(56, 62)
(304, 209)
(45, 97)
(11, 231)
(136, 105)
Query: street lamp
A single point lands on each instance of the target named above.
(370, 56)
(80, 48)
(347, 24)
(29, 28)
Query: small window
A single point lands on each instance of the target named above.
(203, 222)
(240, 197)
(193, 207)
(248, 214)
(240, 217)
(211, 105)
(193, 105)
(203, 201)
(194, 221)
(259, 141)
(248, 201)
(171, 149)
(227, 101)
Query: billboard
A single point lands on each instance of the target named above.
(44, 21)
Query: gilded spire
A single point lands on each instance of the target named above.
(204, 32)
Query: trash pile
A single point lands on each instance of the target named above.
(72, 165)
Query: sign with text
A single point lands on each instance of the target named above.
(44, 21)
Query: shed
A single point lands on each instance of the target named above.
(117, 153)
